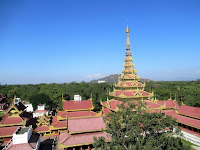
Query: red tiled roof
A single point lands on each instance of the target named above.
(169, 103)
(169, 112)
(60, 124)
(188, 121)
(113, 103)
(130, 83)
(42, 128)
(8, 130)
(80, 114)
(176, 104)
(190, 111)
(86, 124)
(131, 93)
(12, 120)
(151, 104)
(54, 120)
(82, 105)
(2, 104)
(62, 114)
(78, 139)
(104, 103)
(25, 146)
(106, 111)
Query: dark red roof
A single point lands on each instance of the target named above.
(113, 103)
(130, 93)
(151, 104)
(54, 120)
(169, 103)
(24, 146)
(106, 111)
(82, 105)
(80, 114)
(86, 124)
(169, 112)
(188, 121)
(42, 128)
(129, 83)
(12, 120)
(190, 111)
(8, 130)
(60, 124)
(81, 139)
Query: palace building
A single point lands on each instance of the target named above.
(129, 88)
(77, 124)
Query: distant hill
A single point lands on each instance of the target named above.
(113, 78)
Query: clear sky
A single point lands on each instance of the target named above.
(56, 41)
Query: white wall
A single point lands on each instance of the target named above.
(77, 98)
(29, 107)
(41, 107)
(22, 138)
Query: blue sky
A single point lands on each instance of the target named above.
(56, 41)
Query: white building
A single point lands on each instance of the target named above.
(29, 107)
(77, 98)
(101, 81)
(40, 111)
(23, 140)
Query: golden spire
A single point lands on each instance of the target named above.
(127, 30)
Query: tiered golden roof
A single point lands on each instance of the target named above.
(129, 86)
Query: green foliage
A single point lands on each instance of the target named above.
(139, 130)
(40, 99)
(187, 92)
(1, 114)
(55, 92)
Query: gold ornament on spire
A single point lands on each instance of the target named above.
(127, 30)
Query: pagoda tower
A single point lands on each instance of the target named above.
(129, 87)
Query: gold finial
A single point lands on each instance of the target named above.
(127, 30)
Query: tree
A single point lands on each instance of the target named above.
(40, 99)
(139, 130)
